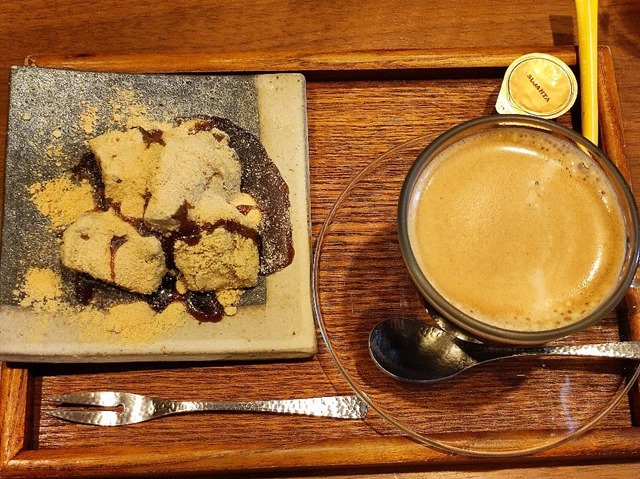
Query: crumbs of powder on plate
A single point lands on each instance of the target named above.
(229, 299)
(88, 119)
(40, 290)
(125, 105)
(130, 323)
(54, 151)
(62, 199)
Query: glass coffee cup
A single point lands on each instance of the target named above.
(518, 230)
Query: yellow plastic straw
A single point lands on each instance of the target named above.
(587, 13)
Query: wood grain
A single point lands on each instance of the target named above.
(312, 63)
(73, 28)
(14, 396)
(397, 454)
(261, 31)
(351, 121)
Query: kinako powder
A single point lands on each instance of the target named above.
(61, 200)
(128, 323)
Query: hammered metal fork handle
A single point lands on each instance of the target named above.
(344, 407)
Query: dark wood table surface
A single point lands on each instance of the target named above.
(115, 27)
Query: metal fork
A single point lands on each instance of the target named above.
(137, 408)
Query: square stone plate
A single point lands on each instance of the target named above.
(52, 115)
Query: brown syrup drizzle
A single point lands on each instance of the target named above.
(84, 288)
(115, 244)
(151, 136)
(245, 209)
(89, 169)
(205, 307)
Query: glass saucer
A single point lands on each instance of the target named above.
(506, 408)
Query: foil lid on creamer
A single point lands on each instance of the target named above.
(537, 84)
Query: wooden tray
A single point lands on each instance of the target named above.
(359, 106)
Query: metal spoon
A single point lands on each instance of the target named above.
(411, 350)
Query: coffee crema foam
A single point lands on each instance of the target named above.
(518, 229)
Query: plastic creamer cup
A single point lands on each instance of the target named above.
(537, 84)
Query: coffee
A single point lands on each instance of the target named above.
(518, 228)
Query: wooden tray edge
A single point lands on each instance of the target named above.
(14, 391)
(612, 135)
(396, 453)
(358, 61)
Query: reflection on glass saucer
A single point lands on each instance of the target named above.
(510, 407)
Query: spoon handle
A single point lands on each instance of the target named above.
(624, 349)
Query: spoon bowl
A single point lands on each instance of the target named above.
(411, 350)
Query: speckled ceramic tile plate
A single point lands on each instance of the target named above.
(52, 115)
